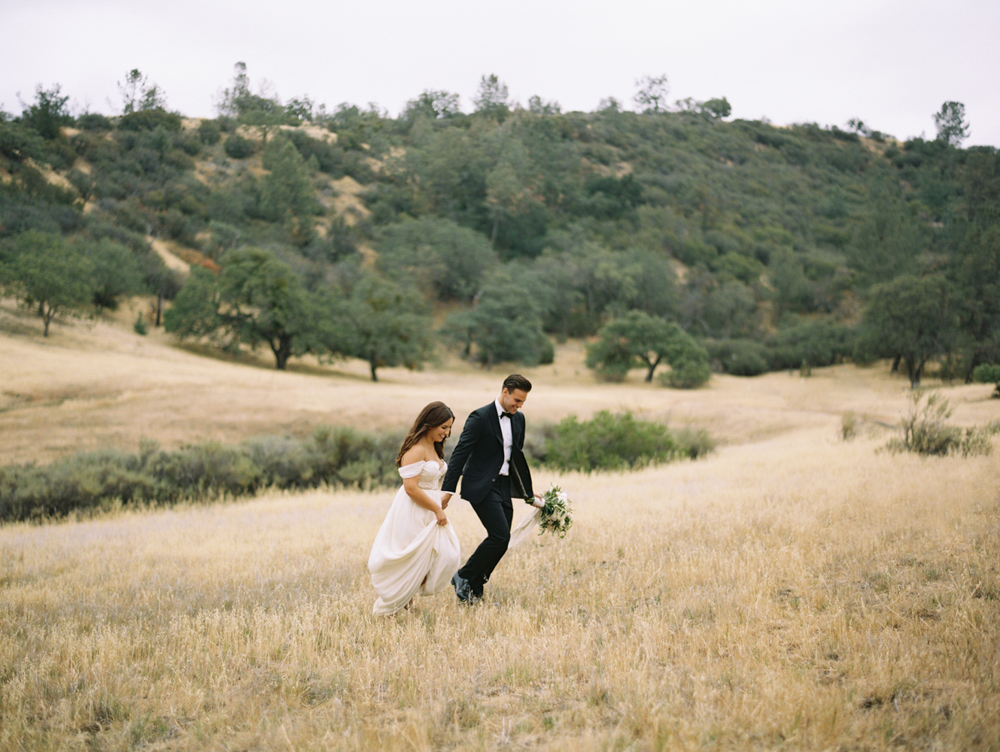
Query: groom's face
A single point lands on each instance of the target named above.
(512, 401)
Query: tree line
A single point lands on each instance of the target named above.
(666, 235)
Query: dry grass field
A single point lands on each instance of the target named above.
(790, 591)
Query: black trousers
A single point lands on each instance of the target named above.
(496, 512)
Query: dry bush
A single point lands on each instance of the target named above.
(926, 432)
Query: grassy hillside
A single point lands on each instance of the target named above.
(769, 245)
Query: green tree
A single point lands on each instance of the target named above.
(538, 106)
(792, 289)
(652, 94)
(48, 113)
(43, 272)
(286, 191)
(888, 240)
(951, 125)
(507, 189)
(505, 324)
(390, 324)
(195, 310)
(256, 299)
(19, 143)
(492, 98)
(139, 95)
(433, 105)
(263, 111)
(640, 340)
(730, 310)
(974, 258)
(116, 271)
(438, 254)
(911, 318)
(717, 109)
(988, 373)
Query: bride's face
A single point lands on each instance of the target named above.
(442, 432)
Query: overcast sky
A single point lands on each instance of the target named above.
(891, 63)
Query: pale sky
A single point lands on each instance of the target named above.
(891, 63)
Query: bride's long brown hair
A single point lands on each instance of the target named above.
(433, 415)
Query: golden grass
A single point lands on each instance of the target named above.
(791, 590)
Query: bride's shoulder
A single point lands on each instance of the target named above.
(418, 455)
(412, 456)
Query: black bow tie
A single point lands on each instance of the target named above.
(506, 415)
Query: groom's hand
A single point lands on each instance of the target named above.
(445, 498)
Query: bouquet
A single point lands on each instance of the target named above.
(555, 511)
(551, 512)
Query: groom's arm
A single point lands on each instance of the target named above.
(471, 432)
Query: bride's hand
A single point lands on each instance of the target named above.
(442, 518)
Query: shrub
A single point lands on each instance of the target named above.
(816, 343)
(689, 370)
(988, 374)
(210, 132)
(924, 428)
(739, 357)
(237, 147)
(609, 442)
(694, 442)
(848, 426)
(149, 120)
(332, 456)
(94, 121)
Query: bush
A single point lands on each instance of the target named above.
(848, 426)
(924, 428)
(150, 120)
(210, 132)
(988, 374)
(688, 370)
(609, 442)
(331, 456)
(94, 121)
(925, 431)
(237, 147)
(815, 343)
(739, 357)
(694, 442)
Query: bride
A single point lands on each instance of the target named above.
(416, 549)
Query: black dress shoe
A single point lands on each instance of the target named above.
(462, 588)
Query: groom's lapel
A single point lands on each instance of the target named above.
(494, 419)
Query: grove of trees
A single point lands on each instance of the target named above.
(672, 235)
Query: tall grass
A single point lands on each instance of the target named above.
(803, 593)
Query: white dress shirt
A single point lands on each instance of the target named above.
(508, 437)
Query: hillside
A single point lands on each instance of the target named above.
(510, 228)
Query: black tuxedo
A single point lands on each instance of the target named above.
(478, 459)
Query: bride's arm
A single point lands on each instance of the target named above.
(412, 487)
(420, 498)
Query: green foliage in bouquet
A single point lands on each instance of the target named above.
(556, 515)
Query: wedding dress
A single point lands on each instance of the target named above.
(410, 545)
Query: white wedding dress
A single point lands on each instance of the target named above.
(411, 546)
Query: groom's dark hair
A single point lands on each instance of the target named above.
(516, 381)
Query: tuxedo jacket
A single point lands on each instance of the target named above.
(478, 457)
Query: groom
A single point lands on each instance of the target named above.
(490, 460)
